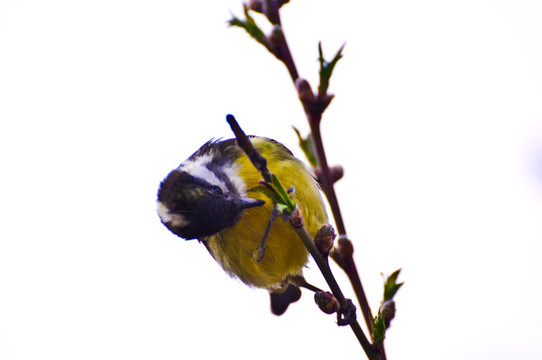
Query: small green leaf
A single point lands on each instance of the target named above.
(283, 209)
(379, 328)
(308, 148)
(391, 286)
(326, 68)
(250, 26)
(284, 197)
(267, 191)
(276, 193)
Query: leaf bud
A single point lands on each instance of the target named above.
(345, 247)
(304, 90)
(388, 309)
(326, 302)
(336, 172)
(324, 239)
(276, 41)
(256, 5)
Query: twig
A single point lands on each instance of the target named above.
(244, 143)
(343, 256)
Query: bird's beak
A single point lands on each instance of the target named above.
(247, 202)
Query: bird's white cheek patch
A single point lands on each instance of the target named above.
(175, 220)
(237, 181)
(198, 169)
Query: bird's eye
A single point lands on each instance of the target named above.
(216, 190)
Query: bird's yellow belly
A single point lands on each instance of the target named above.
(236, 250)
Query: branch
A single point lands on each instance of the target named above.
(314, 105)
(244, 143)
(346, 314)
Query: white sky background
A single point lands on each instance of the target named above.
(437, 120)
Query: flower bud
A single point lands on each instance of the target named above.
(324, 239)
(296, 219)
(304, 90)
(345, 247)
(276, 38)
(336, 172)
(256, 5)
(326, 302)
(389, 308)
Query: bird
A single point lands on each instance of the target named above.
(208, 197)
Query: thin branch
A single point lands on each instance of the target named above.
(279, 47)
(314, 105)
(244, 143)
(323, 265)
(343, 256)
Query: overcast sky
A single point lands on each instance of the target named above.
(437, 121)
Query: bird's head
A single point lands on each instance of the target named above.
(200, 198)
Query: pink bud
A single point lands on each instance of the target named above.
(324, 239)
(304, 90)
(326, 302)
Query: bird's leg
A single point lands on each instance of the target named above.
(346, 315)
(300, 281)
(260, 251)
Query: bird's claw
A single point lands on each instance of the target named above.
(345, 316)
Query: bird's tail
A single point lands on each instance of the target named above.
(280, 300)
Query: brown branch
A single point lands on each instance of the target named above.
(259, 162)
(346, 314)
(278, 46)
(343, 256)
(314, 106)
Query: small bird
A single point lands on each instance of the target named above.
(207, 198)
